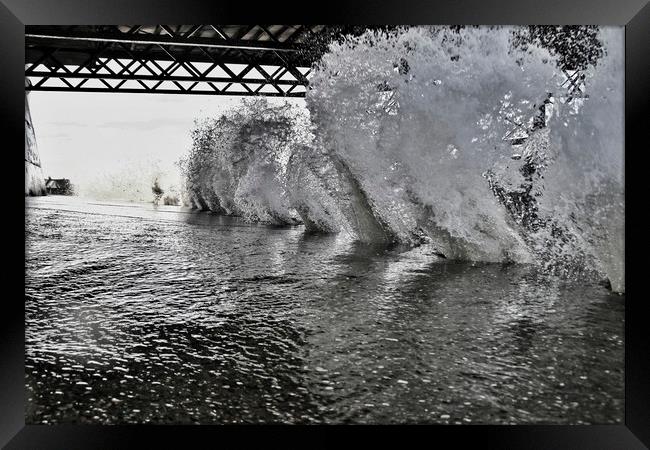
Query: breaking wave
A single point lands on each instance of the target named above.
(460, 139)
(237, 164)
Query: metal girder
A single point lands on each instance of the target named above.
(271, 60)
(62, 38)
(129, 74)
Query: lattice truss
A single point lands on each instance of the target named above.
(573, 96)
(271, 60)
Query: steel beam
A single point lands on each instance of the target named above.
(61, 39)
(168, 91)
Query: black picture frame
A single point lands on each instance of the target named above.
(14, 14)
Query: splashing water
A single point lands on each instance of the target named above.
(237, 163)
(132, 183)
(403, 143)
(429, 135)
(584, 188)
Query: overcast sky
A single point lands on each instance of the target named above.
(89, 136)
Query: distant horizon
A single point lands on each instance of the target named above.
(90, 138)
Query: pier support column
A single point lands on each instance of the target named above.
(34, 180)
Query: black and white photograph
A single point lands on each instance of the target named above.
(325, 224)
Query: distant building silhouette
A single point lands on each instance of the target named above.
(60, 186)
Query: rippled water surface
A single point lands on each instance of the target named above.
(136, 314)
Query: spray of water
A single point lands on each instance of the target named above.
(131, 183)
(237, 164)
(584, 188)
(403, 142)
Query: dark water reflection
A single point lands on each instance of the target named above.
(136, 315)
